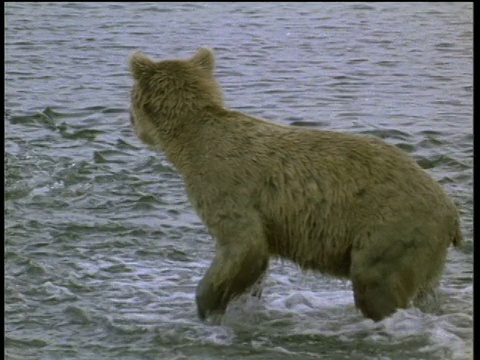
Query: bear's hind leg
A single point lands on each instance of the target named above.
(393, 264)
(384, 281)
(379, 298)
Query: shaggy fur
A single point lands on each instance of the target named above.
(345, 205)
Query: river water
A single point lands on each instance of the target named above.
(103, 251)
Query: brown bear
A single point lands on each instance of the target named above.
(342, 204)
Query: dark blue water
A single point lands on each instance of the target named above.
(103, 251)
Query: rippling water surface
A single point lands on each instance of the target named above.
(103, 251)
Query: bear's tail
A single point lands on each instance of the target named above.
(457, 239)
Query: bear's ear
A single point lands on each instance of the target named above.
(204, 58)
(140, 65)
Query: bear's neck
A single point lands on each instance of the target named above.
(179, 140)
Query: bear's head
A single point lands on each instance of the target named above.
(167, 94)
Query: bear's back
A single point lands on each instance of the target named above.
(326, 187)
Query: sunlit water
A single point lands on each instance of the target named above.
(103, 251)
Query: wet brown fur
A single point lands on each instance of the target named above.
(346, 205)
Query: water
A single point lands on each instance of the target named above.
(103, 251)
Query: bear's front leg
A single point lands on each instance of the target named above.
(240, 260)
